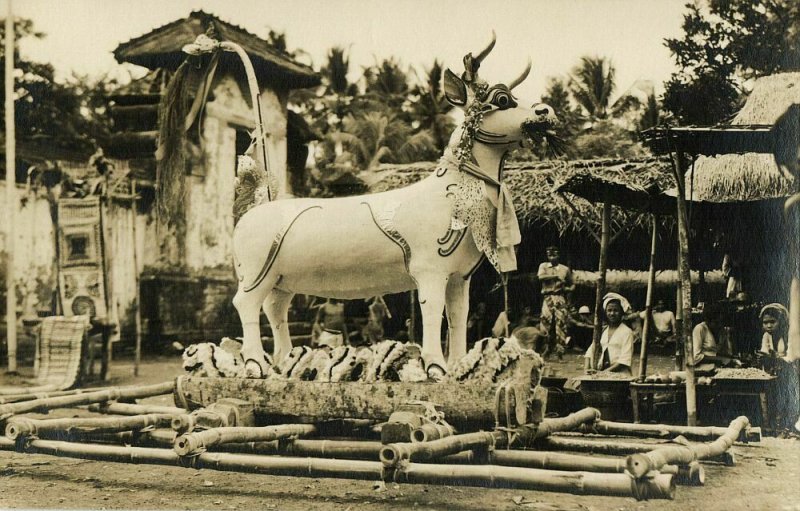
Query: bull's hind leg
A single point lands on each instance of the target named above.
(248, 304)
(431, 302)
(457, 307)
(276, 307)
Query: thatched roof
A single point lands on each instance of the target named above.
(749, 176)
(770, 98)
(161, 48)
(533, 183)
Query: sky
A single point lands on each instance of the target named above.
(81, 34)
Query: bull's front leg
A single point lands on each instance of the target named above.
(248, 304)
(457, 307)
(431, 301)
(276, 307)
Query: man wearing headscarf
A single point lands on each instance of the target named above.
(556, 281)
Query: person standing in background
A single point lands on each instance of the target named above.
(556, 281)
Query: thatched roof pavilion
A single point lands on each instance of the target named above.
(533, 186)
(749, 176)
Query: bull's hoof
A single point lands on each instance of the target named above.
(255, 369)
(435, 372)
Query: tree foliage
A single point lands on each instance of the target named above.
(71, 114)
(724, 43)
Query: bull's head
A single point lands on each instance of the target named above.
(493, 114)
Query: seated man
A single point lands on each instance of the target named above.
(711, 339)
(663, 323)
(581, 328)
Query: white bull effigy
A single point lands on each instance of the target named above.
(429, 236)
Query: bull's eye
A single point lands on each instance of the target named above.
(501, 98)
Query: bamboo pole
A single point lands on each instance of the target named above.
(553, 443)
(23, 426)
(431, 431)
(605, 233)
(696, 433)
(109, 394)
(11, 194)
(29, 396)
(648, 306)
(132, 409)
(192, 443)
(571, 422)
(659, 486)
(679, 169)
(642, 463)
(394, 453)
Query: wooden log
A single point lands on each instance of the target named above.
(108, 394)
(696, 433)
(584, 483)
(198, 441)
(392, 454)
(134, 409)
(641, 463)
(23, 426)
(309, 402)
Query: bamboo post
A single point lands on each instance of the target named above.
(658, 486)
(110, 394)
(679, 169)
(697, 433)
(412, 315)
(648, 306)
(199, 441)
(23, 426)
(642, 463)
(605, 233)
(132, 409)
(137, 359)
(11, 194)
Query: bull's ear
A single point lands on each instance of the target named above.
(455, 90)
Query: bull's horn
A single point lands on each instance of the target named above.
(482, 55)
(521, 78)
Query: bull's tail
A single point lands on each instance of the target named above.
(256, 184)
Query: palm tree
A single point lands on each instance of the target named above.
(592, 83)
(429, 108)
(336, 70)
(370, 138)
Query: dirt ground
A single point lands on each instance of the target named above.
(765, 477)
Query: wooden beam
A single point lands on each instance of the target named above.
(583, 219)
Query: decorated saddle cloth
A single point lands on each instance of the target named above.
(495, 229)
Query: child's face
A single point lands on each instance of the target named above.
(769, 323)
(553, 256)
